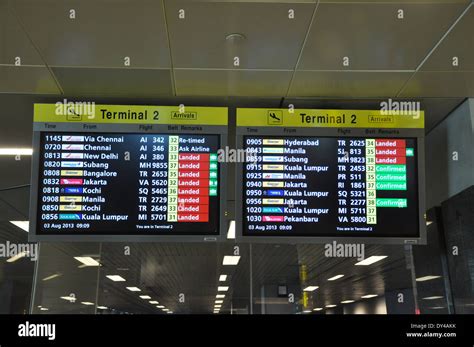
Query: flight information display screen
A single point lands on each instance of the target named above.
(330, 186)
(128, 184)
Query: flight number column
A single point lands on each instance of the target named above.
(351, 183)
(153, 178)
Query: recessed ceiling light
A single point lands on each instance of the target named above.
(69, 298)
(335, 277)
(222, 288)
(347, 302)
(116, 278)
(231, 260)
(235, 37)
(307, 311)
(433, 297)
(222, 278)
(310, 288)
(428, 222)
(368, 296)
(371, 260)
(231, 231)
(21, 224)
(87, 303)
(51, 277)
(44, 309)
(330, 306)
(220, 296)
(102, 307)
(427, 278)
(87, 261)
(318, 309)
(169, 312)
(17, 257)
(166, 309)
(154, 302)
(160, 306)
(134, 289)
(219, 301)
(16, 151)
(146, 297)
(217, 306)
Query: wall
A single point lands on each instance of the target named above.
(446, 177)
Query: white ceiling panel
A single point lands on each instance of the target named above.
(30, 80)
(114, 82)
(271, 40)
(102, 34)
(257, 1)
(400, 1)
(232, 82)
(347, 84)
(372, 36)
(440, 84)
(457, 45)
(14, 42)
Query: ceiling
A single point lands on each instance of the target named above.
(282, 61)
(165, 271)
(149, 48)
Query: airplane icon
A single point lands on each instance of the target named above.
(275, 117)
